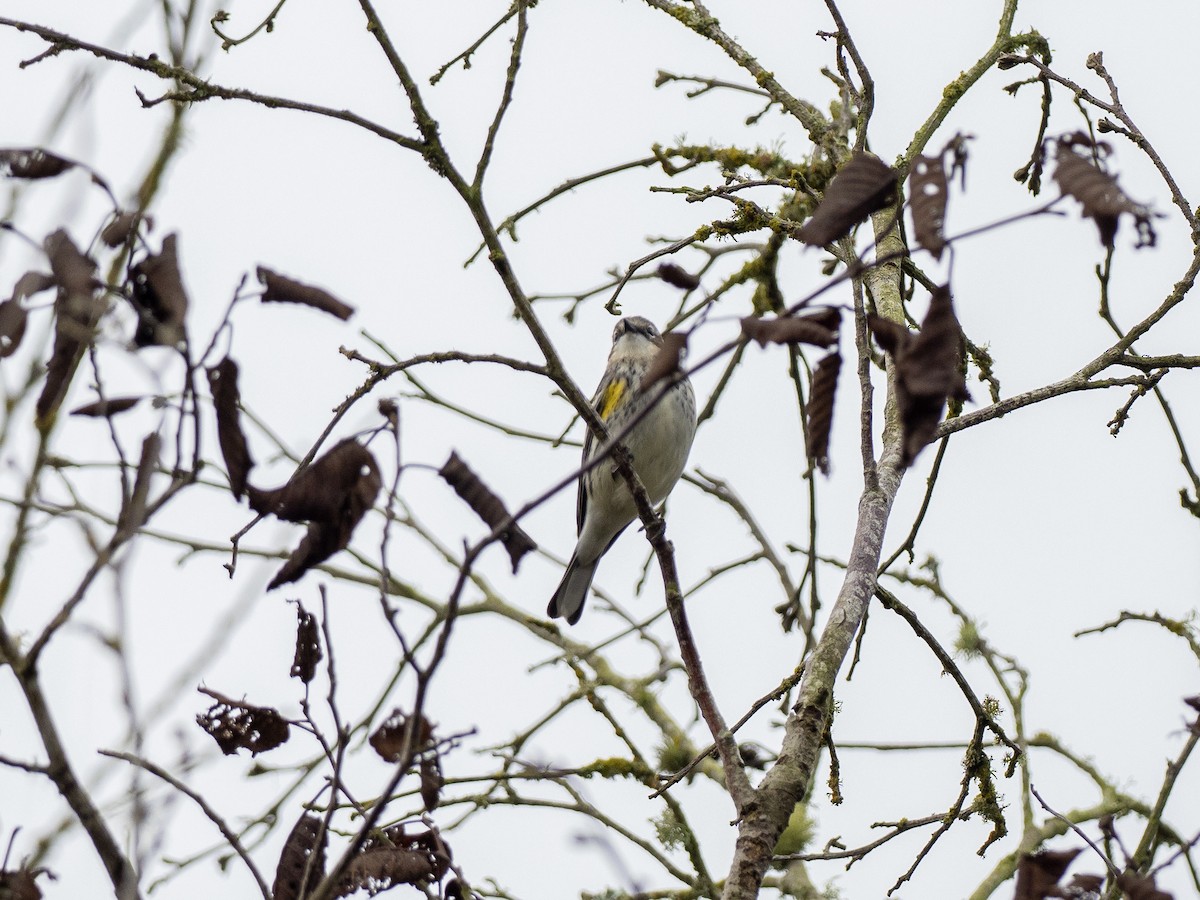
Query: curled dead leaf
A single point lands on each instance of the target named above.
(223, 382)
(281, 289)
(677, 276)
(666, 361)
(1078, 176)
(237, 725)
(820, 409)
(790, 330)
(302, 862)
(308, 645)
(159, 298)
(32, 162)
(106, 408)
(489, 507)
(862, 186)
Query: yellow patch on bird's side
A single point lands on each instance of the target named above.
(612, 397)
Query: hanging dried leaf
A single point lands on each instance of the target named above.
(308, 645)
(820, 410)
(488, 507)
(281, 289)
(159, 298)
(117, 232)
(12, 326)
(789, 330)
(394, 858)
(21, 884)
(223, 382)
(1097, 191)
(826, 316)
(106, 408)
(32, 162)
(332, 494)
(1141, 887)
(237, 726)
(132, 514)
(891, 336)
(1038, 873)
(388, 740)
(928, 367)
(431, 782)
(1084, 886)
(666, 361)
(676, 276)
(301, 846)
(927, 186)
(32, 283)
(13, 315)
(862, 186)
(77, 310)
(320, 542)
(934, 359)
(319, 492)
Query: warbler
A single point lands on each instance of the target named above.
(659, 444)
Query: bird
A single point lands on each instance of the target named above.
(659, 444)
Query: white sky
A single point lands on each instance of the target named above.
(1044, 524)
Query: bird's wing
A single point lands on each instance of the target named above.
(608, 397)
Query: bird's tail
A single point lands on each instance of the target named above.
(572, 591)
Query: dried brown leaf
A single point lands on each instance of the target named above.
(236, 725)
(32, 283)
(820, 409)
(863, 185)
(223, 382)
(76, 313)
(1083, 886)
(32, 162)
(294, 862)
(929, 369)
(1141, 887)
(1038, 873)
(392, 858)
(827, 316)
(891, 336)
(320, 541)
(20, 884)
(105, 408)
(117, 232)
(12, 326)
(927, 187)
(1097, 191)
(132, 514)
(677, 276)
(308, 645)
(488, 507)
(789, 330)
(320, 491)
(934, 359)
(383, 868)
(332, 494)
(159, 297)
(666, 361)
(388, 740)
(13, 315)
(431, 781)
(72, 271)
(280, 288)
